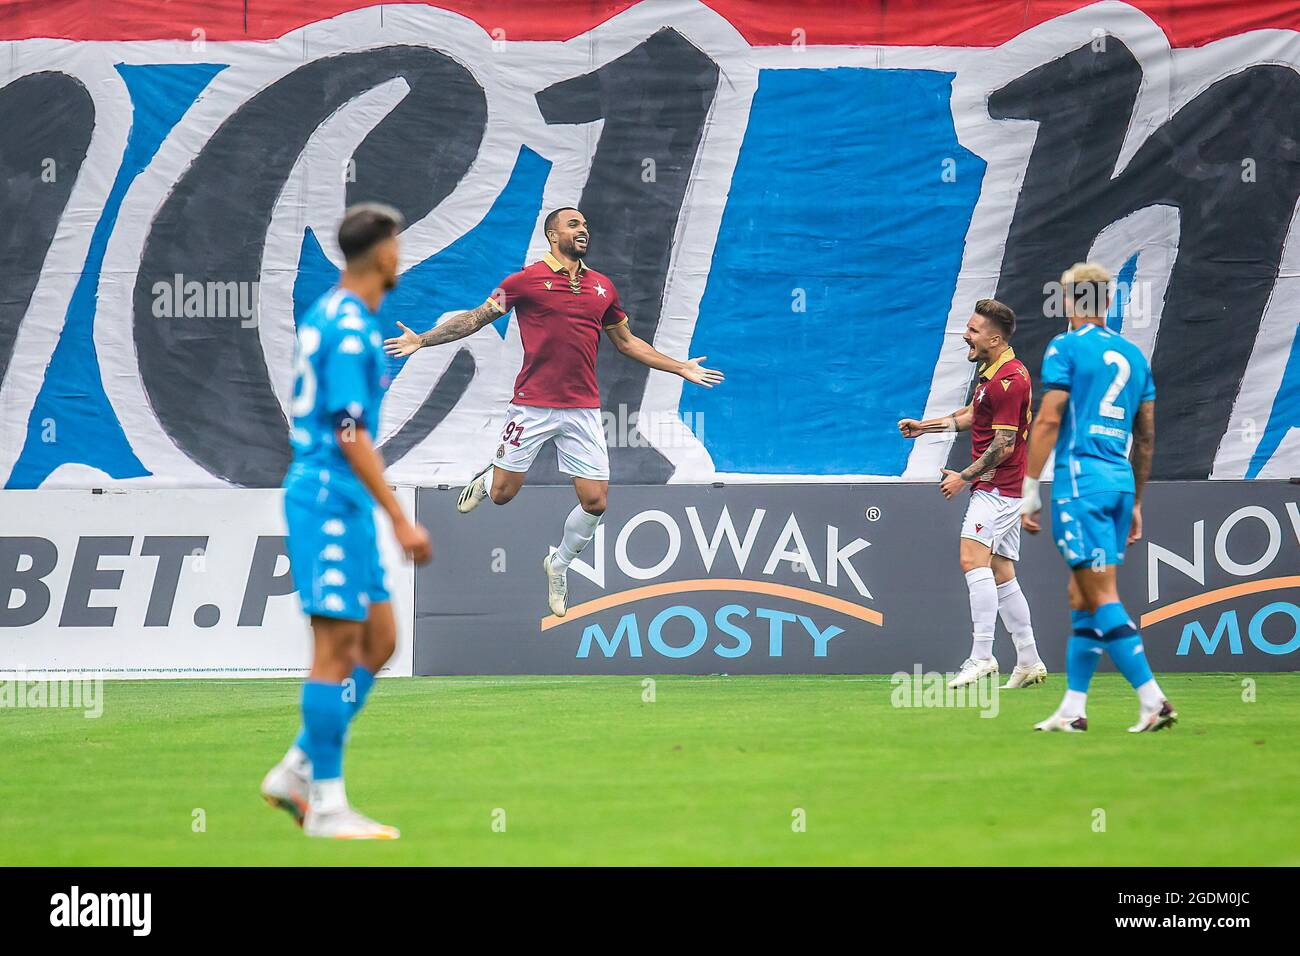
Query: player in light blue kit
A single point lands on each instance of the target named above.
(330, 492)
(1098, 393)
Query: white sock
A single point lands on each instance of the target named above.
(983, 611)
(579, 529)
(328, 796)
(1014, 611)
(1149, 695)
(297, 761)
(1074, 703)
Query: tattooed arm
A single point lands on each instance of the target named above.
(1144, 448)
(457, 327)
(1000, 448)
(958, 421)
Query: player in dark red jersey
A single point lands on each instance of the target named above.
(998, 418)
(562, 305)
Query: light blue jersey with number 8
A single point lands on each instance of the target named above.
(1107, 377)
(340, 376)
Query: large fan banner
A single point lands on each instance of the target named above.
(813, 195)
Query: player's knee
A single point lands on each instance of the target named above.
(377, 647)
(337, 647)
(593, 504)
(501, 495)
(377, 651)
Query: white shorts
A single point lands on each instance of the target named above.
(994, 520)
(578, 433)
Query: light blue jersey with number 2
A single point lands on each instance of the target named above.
(1107, 378)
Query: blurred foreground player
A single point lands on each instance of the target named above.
(330, 493)
(561, 306)
(1098, 393)
(998, 419)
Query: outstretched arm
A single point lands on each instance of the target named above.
(958, 421)
(646, 354)
(457, 327)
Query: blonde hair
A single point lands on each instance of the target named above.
(1087, 288)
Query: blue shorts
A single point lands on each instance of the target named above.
(333, 555)
(1093, 529)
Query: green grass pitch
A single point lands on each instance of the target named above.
(712, 772)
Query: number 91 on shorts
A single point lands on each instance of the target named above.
(579, 440)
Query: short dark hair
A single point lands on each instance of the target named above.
(1003, 319)
(365, 226)
(553, 215)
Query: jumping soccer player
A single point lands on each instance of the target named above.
(998, 418)
(329, 498)
(561, 305)
(1105, 384)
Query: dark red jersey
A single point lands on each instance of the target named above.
(1002, 400)
(560, 322)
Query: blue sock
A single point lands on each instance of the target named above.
(1082, 654)
(1123, 643)
(1083, 622)
(363, 680)
(325, 716)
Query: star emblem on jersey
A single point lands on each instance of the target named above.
(600, 290)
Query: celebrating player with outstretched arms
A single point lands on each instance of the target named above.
(998, 417)
(1099, 391)
(562, 305)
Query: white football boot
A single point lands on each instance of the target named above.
(285, 788)
(473, 493)
(557, 588)
(1026, 676)
(346, 824)
(1149, 721)
(1058, 722)
(972, 670)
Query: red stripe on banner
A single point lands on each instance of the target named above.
(763, 22)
